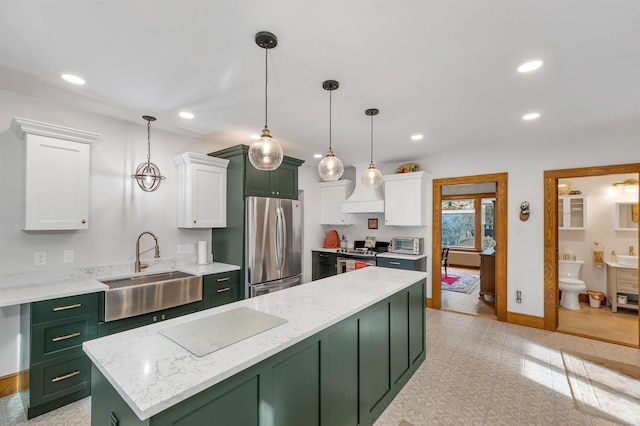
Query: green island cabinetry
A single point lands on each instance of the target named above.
(52, 332)
(323, 264)
(244, 180)
(344, 375)
(399, 262)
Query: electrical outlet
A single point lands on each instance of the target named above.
(518, 296)
(67, 256)
(41, 258)
(185, 248)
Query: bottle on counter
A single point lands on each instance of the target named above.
(614, 258)
(343, 242)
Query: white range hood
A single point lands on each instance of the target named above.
(363, 199)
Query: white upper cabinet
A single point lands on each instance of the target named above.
(404, 199)
(572, 212)
(202, 191)
(56, 175)
(332, 194)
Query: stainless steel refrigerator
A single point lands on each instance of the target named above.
(274, 244)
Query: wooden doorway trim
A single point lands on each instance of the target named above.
(500, 179)
(551, 302)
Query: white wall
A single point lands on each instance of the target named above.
(600, 208)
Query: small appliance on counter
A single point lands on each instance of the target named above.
(407, 245)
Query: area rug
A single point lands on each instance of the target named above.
(604, 388)
(460, 283)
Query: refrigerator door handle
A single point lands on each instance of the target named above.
(283, 247)
(280, 234)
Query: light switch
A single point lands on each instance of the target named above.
(67, 256)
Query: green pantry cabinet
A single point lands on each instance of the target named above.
(345, 375)
(244, 180)
(53, 331)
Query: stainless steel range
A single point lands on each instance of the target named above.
(360, 256)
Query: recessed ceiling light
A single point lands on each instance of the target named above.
(417, 137)
(73, 79)
(255, 137)
(317, 155)
(530, 66)
(185, 114)
(531, 116)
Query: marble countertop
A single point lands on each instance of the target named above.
(402, 256)
(152, 373)
(326, 250)
(23, 291)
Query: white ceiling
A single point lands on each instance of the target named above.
(445, 68)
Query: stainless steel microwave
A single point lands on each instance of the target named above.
(407, 245)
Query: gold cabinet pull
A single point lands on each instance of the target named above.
(64, 308)
(393, 263)
(68, 336)
(223, 279)
(66, 376)
(222, 290)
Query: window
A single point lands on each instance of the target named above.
(458, 223)
(462, 216)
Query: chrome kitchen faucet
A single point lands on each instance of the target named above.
(139, 265)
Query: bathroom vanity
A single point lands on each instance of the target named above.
(622, 281)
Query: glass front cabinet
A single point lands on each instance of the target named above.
(572, 212)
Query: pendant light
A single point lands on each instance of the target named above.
(330, 167)
(266, 152)
(372, 178)
(148, 174)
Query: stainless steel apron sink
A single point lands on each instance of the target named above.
(137, 295)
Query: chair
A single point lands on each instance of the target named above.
(445, 259)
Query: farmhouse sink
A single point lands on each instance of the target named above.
(141, 294)
(626, 260)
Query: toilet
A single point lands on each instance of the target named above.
(569, 283)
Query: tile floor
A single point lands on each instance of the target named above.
(478, 372)
(484, 372)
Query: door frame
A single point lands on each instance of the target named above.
(551, 302)
(500, 214)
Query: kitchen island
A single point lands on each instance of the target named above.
(347, 346)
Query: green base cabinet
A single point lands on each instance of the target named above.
(323, 265)
(118, 326)
(52, 333)
(398, 263)
(220, 289)
(345, 375)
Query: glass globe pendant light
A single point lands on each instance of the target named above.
(148, 174)
(372, 178)
(266, 153)
(330, 167)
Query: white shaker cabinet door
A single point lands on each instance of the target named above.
(56, 175)
(202, 191)
(332, 194)
(404, 203)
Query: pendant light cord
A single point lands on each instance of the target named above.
(148, 141)
(372, 138)
(330, 105)
(266, 81)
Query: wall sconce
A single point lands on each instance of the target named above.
(525, 210)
